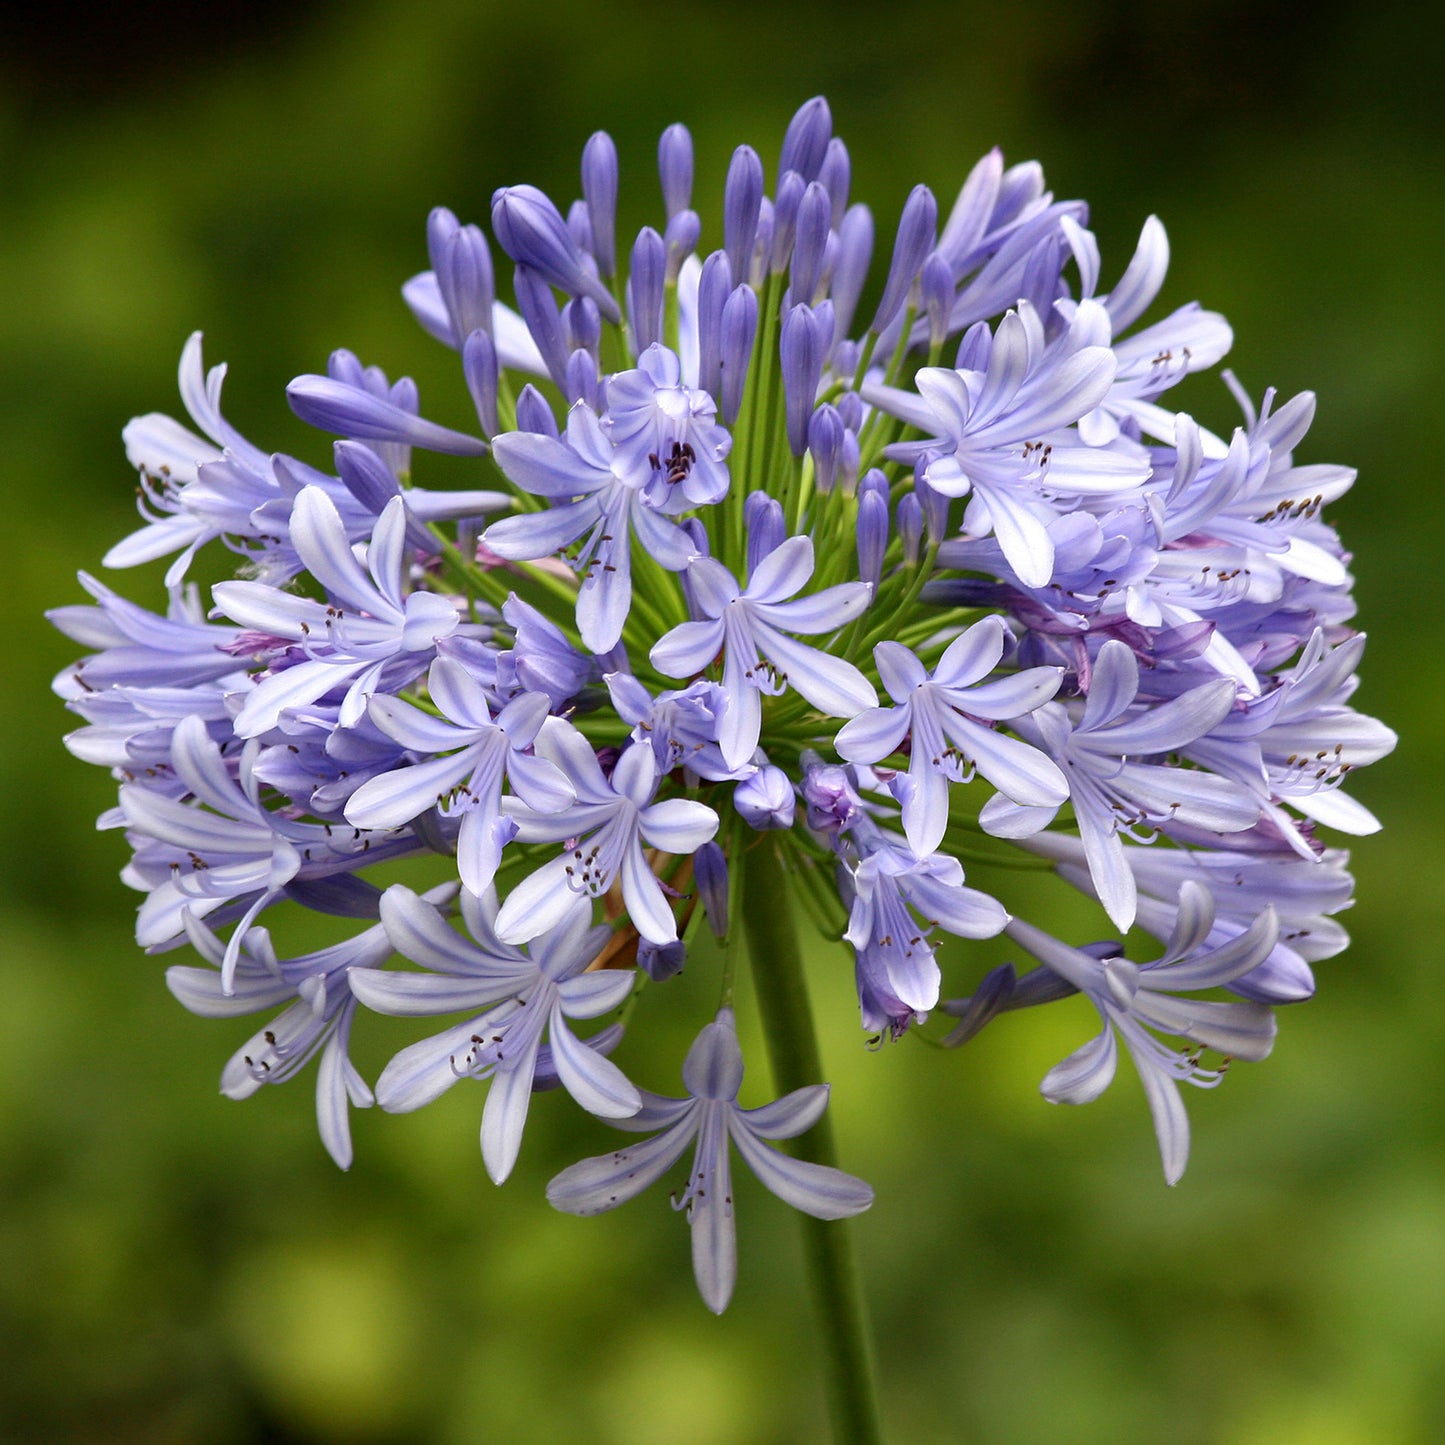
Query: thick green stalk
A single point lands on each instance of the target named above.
(793, 1051)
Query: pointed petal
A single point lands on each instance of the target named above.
(393, 799)
(596, 1083)
(333, 1118)
(973, 654)
(789, 1116)
(689, 648)
(647, 906)
(1113, 686)
(539, 534)
(1171, 1122)
(423, 1071)
(538, 903)
(505, 1116)
(783, 572)
(824, 611)
(546, 467)
(1085, 1074)
(601, 1183)
(830, 684)
(816, 1189)
(424, 995)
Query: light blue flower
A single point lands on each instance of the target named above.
(944, 713)
(750, 626)
(1135, 999)
(600, 494)
(713, 1075)
(371, 635)
(605, 830)
(467, 780)
(522, 997)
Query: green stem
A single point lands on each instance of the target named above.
(793, 1051)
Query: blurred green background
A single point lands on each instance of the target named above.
(176, 1267)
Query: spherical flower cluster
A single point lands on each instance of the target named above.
(757, 587)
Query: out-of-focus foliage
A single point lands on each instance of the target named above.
(175, 1267)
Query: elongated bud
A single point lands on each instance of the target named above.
(766, 800)
(674, 166)
(352, 411)
(916, 230)
(934, 503)
(661, 961)
(529, 228)
(872, 534)
(742, 199)
(825, 438)
(479, 367)
(991, 996)
(1041, 279)
(810, 244)
(539, 310)
(785, 220)
(850, 411)
(463, 266)
(713, 288)
(850, 269)
(680, 239)
(909, 521)
(766, 528)
(762, 260)
(935, 296)
(344, 365)
(582, 325)
(365, 475)
(579, 226)
(582, 381)
(739, 327)
(441, 226)
(599, 187)
(806, 339)
(710, 877)
(848, 461)
(646, 283)
(806, 141)
(834, 176)
(975, 348)
(533, 413)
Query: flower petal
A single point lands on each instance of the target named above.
(816, 1189)
(1085, 1074)
(596, 1083)
(595, 1185)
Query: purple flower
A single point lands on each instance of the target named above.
(1112, 791)
(318, 1018)
(666, 431)
(1133, 999)
(944, 713)
(605, 830)
(532, 232)
(523, 996)
(712, 1075)
(370, 636)
(749, 627)
(898, 899)
(600, 496)
(1002, 432)
(468, 780)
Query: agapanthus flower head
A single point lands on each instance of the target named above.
(759, 600)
